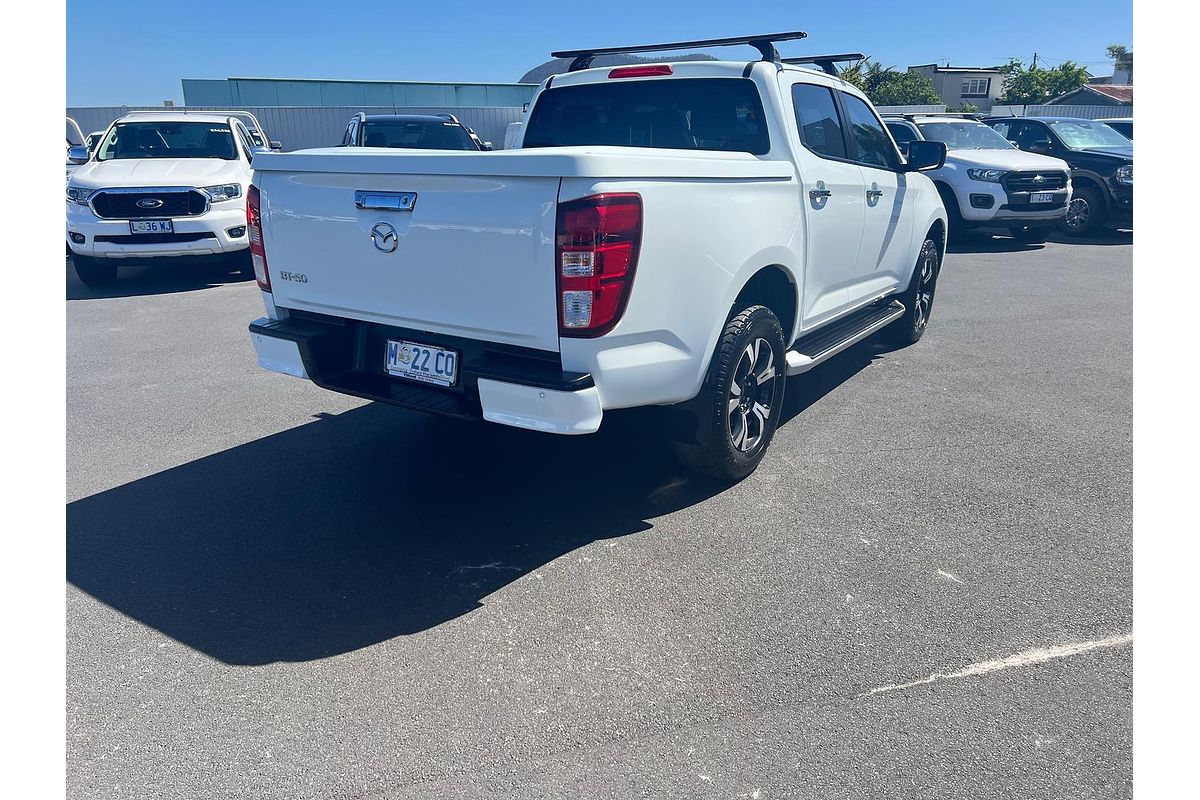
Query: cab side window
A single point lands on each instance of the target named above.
(872, 145)
(817, 120)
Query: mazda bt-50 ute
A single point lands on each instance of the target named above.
(684, 235)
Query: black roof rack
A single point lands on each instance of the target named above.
(826, 63)
(763, 42)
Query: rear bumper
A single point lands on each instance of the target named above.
(506, 385)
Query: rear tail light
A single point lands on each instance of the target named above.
(640, 72)
(258, 254)
(596, 255)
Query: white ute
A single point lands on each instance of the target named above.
(160, 184)
(986, 182)
(682, 235)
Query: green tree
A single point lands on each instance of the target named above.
(1122, 58)
(887, 86)
(1032, 86)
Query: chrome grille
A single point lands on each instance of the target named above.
(1035, 181)
(173, 202)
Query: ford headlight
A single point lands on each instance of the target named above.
(1125, 174)
(989, 175)
(222, 191)
(77, 194)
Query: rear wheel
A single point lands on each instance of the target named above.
(739, 406)
(94, 271)
(917, 299)
(1085, 213)
(1030, 234)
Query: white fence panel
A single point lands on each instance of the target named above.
(1082, 112)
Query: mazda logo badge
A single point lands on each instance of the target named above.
(149, 202)
(383, 236)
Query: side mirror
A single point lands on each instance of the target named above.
(486, 146)
(1042, 146)
(275, 144)
(923, 156)
(77, 154)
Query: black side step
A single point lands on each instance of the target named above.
(826, 342)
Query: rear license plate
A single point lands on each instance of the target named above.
(422, 362)
(151, 226)
(1042, 197)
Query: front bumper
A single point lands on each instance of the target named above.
(507, 385)
(202, 235)
(1009, 208)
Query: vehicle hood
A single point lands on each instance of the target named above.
(1123, 153)
(1005, 159)
(122, 172)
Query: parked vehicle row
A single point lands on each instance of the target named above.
(676, 235)
(986, 182)
(411, 132)
(1101, 163)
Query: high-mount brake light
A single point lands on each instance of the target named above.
(258, 253)
(640, 72)
(597, 244)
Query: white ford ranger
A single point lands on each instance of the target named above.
(682, 235)
(986, 182)
(163, 183)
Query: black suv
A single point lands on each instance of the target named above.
(411, 131)
(1101, 163)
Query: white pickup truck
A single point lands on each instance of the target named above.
(161, 184)
(680, 234)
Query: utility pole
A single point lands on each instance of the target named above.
(1034, 66)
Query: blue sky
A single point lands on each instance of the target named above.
(135, 52)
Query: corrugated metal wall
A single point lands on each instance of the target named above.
(1083, 112)
(318, 126)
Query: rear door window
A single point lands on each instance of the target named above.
(683, 113)
(872, 145)
(817, 120)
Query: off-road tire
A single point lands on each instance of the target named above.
(917, 299)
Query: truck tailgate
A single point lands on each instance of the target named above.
(472, 256)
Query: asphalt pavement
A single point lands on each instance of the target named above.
(923, 592)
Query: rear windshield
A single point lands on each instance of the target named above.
(168, 140)
(685, 113)
(417, 134)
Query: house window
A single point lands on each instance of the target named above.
(976, 87)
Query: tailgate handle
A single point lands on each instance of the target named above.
(385, 201)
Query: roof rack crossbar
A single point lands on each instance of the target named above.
(828, 64)
(763, 42)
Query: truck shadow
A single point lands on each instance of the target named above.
(355, 528)
(157, 276)
(370, 524)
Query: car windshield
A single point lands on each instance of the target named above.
(1078, 134)
(964, 135)
(417, 135)
(691, 114)
(168, 140)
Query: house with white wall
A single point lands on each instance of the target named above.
(956, 86)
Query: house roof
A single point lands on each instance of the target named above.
(1121, 94)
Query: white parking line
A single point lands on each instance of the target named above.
(1022, 659)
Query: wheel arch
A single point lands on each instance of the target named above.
(775, 287)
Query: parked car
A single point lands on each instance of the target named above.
(160, 184)
(1122, 125)
(681, 235)
(1101, 162)
(411, 131)
(986, 182)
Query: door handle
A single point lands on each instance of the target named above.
(818, 194)
(874, 193)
